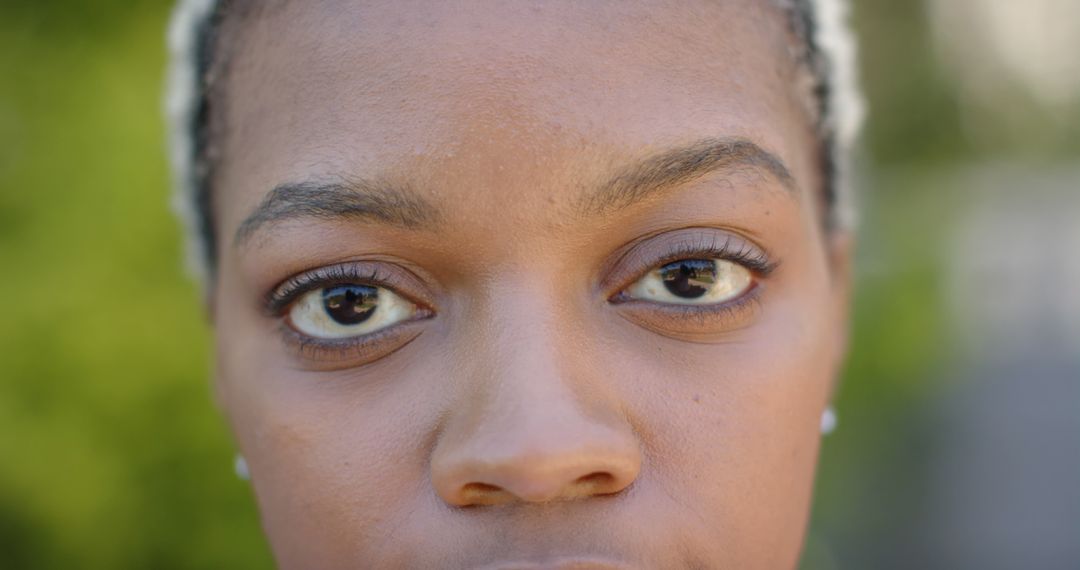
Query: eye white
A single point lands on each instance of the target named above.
(724, 281)
(310, 316)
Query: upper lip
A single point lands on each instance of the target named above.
(558, 563)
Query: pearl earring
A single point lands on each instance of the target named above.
(240, 467)
(828, 421)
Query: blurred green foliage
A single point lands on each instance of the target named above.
(112, 454)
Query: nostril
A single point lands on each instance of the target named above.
(596, 483)
(481, 488)
(482, 494)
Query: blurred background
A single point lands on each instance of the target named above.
(959, 438)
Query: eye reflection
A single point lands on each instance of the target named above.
(348, 310)
(693, 282)
(350, 304)
(688, 279)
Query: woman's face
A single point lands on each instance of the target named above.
(523, 284)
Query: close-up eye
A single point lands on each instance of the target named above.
(349, 310)
(693, 282)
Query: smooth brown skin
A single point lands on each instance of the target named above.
(530, 421)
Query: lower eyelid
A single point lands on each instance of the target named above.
(353, 351)
(678, 309)
(674, 319)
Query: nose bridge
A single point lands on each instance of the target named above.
(525, 339)
(525, 332)
(533, 425)
(536, 350)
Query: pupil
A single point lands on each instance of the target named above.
(689, 278)
(350, 304)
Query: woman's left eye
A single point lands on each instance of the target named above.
(350, 310)
(693, 282)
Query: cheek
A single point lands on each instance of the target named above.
(335, 458)
(735, 425)
(332, 465)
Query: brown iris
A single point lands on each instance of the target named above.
(689, 278)
(350, 304)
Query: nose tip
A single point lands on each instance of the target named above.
(539, 477)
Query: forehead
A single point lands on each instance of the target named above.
(464, 99)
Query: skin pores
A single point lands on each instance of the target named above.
(511, 170)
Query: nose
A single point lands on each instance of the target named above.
(537, 427)
(540, 455)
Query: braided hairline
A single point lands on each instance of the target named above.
(827, 51)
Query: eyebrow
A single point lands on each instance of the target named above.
(681, 165)
(358, 198)
(352, 198)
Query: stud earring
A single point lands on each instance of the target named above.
(828, 421)
(240, 467)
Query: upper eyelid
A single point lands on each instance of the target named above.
(360, 272)
(757, 261)
(294, 287)
(653, 252)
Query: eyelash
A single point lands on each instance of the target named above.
(735, 251)
(282, 296)
(703, 246)
(334, 350)
(278, 301)
(699, 246)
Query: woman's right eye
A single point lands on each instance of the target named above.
(349, 310)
